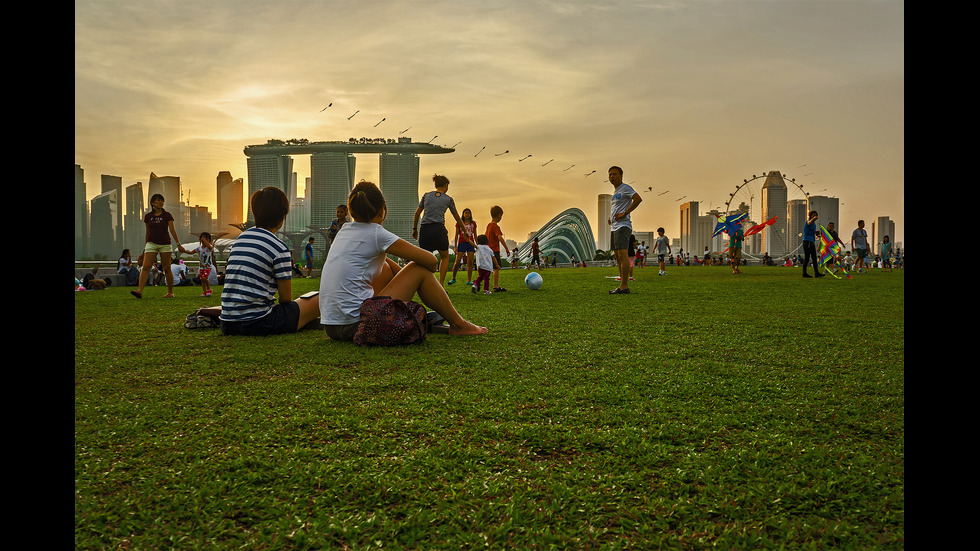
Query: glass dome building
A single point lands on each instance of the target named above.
(566, 235)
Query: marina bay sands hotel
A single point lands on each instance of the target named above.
(332, 175)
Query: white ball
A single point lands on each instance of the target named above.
(533, 281)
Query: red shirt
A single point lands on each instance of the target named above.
(493, 236)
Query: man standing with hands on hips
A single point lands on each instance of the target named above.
(624, 200)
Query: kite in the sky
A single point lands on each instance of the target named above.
(454, 145)
(567, 169)
(352, 116)
(679, 198)
(759, 227)
(649, 189)
(521, 160)
(663, 193)
(480, 151)
(499, 154)
(590, 174)
(546, 164)
(325, 108)
(379, 122)
(406, 130)
(727, 224)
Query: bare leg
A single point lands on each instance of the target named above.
(148, 260)
(469, 266)
(309, 310)
(414, 278)
(168, 273)
(443, 265)
(623, 261)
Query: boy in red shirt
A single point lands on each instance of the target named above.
(495, 238)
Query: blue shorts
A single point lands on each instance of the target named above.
(465, 247)
(283, 318)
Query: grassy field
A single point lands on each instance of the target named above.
(704, 410)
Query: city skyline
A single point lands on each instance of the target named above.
(689, 98)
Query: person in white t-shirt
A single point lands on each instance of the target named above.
(357, 268)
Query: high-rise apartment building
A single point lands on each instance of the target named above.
(691, 240)
(797, 214)
(399, 175)
(880, 227)
(828, 210)
(114, 183)
(104, 212)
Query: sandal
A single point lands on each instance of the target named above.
(618, 291)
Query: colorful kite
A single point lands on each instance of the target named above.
(726, 224)
(759, 227)
(828, 249)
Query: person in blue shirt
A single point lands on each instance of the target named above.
(810, 245)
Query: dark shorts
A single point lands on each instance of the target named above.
(620, 238)
(342, 332)
(433, 237)
(496, 254)
(465, 247)
(283, 318)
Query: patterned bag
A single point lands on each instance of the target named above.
(387, 321)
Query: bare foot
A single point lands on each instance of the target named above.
(468, 329)
(168, 295)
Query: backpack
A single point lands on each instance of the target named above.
(387, 321)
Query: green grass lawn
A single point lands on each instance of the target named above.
(703, 410)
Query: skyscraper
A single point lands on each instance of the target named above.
(331, 179)
(797, 215)
(604, 229)
(230, 206)
(399, 174)
(105, 207)
(134, 238)
(268, 171)
(114, 183)
(691, 241)
(774, 197)
(81, 215)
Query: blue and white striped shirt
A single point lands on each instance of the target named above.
(257, 260)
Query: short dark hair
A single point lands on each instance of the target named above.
(496, 211)
(440, 180)
(269, 206)
(365, 201)
(616, 168)
(482, 239)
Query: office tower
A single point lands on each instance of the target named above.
(268, 171)
(797, 214)
(231, 202)
(691, 241)
(199, 220)
(104, 211)
(81, 215)
(828, 209)
(168, 186)
(298, 219)
(134, 230)
(604, 231)
(114, 183)
(331, 179)
(880, 227)
(399, 174)
(774, 197)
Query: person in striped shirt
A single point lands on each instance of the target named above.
(258, 268)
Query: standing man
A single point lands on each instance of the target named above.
(624, 200)
(859, 243)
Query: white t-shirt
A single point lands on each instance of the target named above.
(354, 260)
(484, 258)
(621, 200)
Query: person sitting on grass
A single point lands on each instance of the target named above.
(358, 268)
(259, 266)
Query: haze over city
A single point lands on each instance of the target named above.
(689, 98)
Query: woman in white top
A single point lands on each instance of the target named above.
(357, 268)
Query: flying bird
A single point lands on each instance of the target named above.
(379, 122)
(352, 116)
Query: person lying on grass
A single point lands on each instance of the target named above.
(357, 268)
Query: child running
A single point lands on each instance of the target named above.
(358, 268)
(485, 263)
(205, 254)
(432, 234)
(159, 230)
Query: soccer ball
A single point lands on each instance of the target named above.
(533, 281)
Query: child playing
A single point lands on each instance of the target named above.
(432, 234)
(735, 248)
(337, 223)
(308, 256)
(495, 238)
(205, 253)
(485, 263)
(260, 265)
(465, 246)
(159, 230)
(358, 268)
(662, 246)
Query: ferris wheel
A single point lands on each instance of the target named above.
(748, 197)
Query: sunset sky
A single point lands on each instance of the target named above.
(689, 97)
